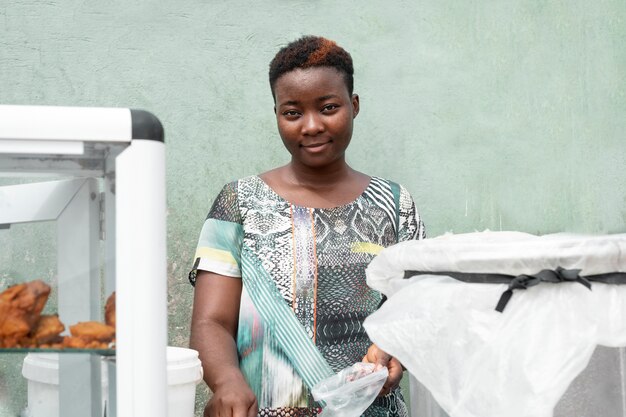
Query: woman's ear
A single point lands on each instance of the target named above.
(355, 105)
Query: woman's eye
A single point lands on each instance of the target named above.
(329, 107)
(290, 113)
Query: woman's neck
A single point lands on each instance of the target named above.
(317, 178)
(319, 188)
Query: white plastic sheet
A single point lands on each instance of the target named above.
(478, 362)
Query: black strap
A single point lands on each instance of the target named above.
(521, 282)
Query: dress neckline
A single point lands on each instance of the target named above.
(281, 198)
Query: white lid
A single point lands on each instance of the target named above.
(183, 366)
(42, 367)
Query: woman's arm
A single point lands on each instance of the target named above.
(213, 335)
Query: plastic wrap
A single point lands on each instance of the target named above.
(349, 392)
(478, 362)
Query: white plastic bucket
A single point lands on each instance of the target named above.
(184, 371)
(42, 372)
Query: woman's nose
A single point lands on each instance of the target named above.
(312, 124)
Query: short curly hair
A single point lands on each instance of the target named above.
(312, 51)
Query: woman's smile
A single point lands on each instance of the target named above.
(316, 147)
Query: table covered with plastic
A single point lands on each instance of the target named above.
(500, 323)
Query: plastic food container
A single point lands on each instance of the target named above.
(42, 372)
(349, 392)
(184, 371)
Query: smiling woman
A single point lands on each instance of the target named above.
(311, 227)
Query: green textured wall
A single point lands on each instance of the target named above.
(494, 114)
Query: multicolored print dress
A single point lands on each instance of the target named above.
(317, 259)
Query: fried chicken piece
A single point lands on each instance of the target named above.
(74, 342)
(20, 308)
(93, 331)
(56, 345)
(109, 310)
(47, 330)
(78, 343)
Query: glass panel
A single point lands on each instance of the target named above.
(28, 252)
(53, 294)
(100, 352)
(29, 385)
(46, 256)
(12, 385)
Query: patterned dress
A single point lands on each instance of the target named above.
(317, 259)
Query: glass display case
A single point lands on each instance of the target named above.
(82, 246)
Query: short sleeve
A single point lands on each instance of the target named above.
(411, 225)
(221, 237)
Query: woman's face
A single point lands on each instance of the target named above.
(314, 112)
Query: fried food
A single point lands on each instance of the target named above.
(47, 330)
(78, 343)
(89, 335)
(20, 309)
(93, 331)
(109, 310)
(23, 326)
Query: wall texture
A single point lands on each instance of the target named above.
(506, 115)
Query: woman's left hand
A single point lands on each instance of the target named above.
(381, 358)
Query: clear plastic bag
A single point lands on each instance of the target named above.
(349, 392)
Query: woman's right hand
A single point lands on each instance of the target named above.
(233, 399)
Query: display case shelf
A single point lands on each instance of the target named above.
(97, 176)
(100, 352)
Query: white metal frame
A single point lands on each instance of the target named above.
(98, 142)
